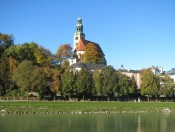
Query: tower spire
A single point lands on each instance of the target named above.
(79, 32)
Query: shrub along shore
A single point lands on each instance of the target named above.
(54, 107)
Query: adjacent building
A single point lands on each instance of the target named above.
(171, 73)
(132, 73)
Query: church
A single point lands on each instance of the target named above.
(80, 45)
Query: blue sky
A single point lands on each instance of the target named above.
(135, 33)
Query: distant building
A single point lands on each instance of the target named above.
(80, 44)
(132, 73)
(171, 73)
(157, 70)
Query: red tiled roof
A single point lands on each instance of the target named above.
(81, 46)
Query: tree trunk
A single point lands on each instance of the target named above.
(69, 98)
(148, 98)
(83, 97)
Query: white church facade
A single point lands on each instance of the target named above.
(79, 48)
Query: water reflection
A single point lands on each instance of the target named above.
(149, 122)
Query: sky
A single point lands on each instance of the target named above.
(134, 33)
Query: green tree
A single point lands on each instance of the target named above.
(22, 76)
(97, 83)
(125, 85)
(108, 80)
(20, 52)
(92, 54)
(31, 78)
(65, 65)
(150, 83)
(167, 86)
(5, 77)
(43, 56)
(32, 52)
(84, 83)
(68, 87)
(5, 42)
(40, 82)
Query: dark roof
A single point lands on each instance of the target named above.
(93, 66)
(129, 71)
(88, 66)
(135, 71)
(77, 65)
(171, 72)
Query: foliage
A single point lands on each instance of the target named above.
(65, 64)
(5, 77)
(167, 86)
(125, 85)
(108, 80)
(43, 56)
(30, 78)
(5, 42)
(92, 55)
(68, 83)
(97, 83)
(64, 53)
(150, 83)
(56, 81)
(84, 82)
(30, 51)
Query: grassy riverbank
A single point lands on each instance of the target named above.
(46, 107)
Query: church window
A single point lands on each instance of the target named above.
(76, 38)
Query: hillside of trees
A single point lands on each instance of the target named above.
(30, 67)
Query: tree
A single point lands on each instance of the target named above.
(22, 76)
(108, 80)
(40, 82)
(84, 83)
(5, 42)
(64, 53)
(20, 52)
(167, 86)
(32, 52)
(31, 78)
(43, 56)
(132, 86)
(125, 85)
(68, 83)
(56, 81)
(65, 65)
(96, 90)
(150, 83)
(92, 55)
(5, 77)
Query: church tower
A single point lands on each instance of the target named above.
(79, 32)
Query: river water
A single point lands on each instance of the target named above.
(145, 122)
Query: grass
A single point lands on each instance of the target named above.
(46, 107)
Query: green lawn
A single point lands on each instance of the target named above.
(29, 107)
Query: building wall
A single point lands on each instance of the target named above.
(173, 77)
(136, 76)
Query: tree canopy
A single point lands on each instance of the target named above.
(92, 55)
(150, 83)
(64, 53)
